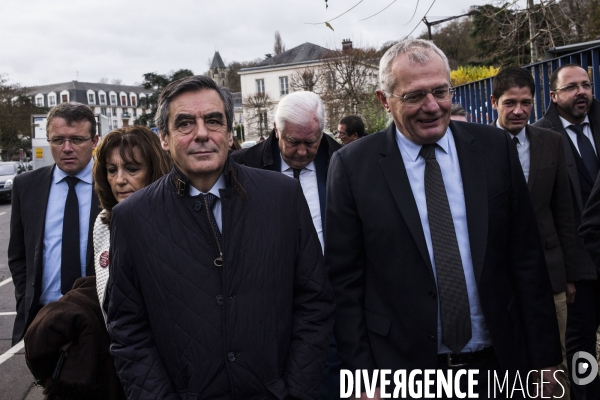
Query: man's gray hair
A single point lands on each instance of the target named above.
(298, 108)
(190, 84)
(419, 51)
(72, 112)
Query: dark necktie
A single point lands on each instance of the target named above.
(588, 155)
(297, 172)
(452, 288)
(70, 268)
(515, 140)
(210, 200)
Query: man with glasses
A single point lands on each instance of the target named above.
(575, 114)
(53, 213)
(432, 247)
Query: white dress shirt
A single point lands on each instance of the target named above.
(308, 181)
(587, 131)
(523, 150)
(219, 184)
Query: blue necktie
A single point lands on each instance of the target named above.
(588, 155)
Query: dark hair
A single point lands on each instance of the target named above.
(512, 77)
(554, 76)
(190, 84)
(235, 145)
(72, 112)
(126, 140)
(457, 110)
(354, 125)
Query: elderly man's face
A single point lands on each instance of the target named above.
(427, 121)
(299, 143)
(198, 139)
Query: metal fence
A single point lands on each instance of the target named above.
(474, 97)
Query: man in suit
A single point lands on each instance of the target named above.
(297, 147)
(542, 157)
(576, 116)
(432, 245)
(350, 128)
(53, 213)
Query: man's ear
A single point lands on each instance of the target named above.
(383, 100)
(494, 102)
(553, 96)
(164, 141)
(230, 139)
(276, 130)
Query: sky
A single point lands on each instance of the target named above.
(46, 42)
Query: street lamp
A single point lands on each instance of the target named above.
(472, 11)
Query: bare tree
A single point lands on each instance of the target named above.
(309, 79)
(257, 108)
(103, 80)
(117, 82)
(279, 47)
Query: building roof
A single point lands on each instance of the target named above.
(303, 54)
(76, 85)
(217, 61)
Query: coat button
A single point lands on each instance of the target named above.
(231, 356)
(197, 206)
(232, 297)
(431, 338)
(432, 295)
(219, 300)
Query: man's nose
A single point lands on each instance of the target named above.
(430, 103)
(67, 146)
(201, 131)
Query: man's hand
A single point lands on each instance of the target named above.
(363, 395)
(570, 292)
(547, 381)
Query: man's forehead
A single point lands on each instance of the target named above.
(196, 103)
(60, 126)
(572, 74)
(311, 129)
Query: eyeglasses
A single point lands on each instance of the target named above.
(75, 141)
(573, 87)
(416, 98)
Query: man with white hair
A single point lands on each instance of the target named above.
(433, 249)
(297, 147)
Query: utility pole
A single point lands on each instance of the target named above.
(472, 11)
(532, 34)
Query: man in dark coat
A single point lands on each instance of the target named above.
(298, 148)
(575, 114)
(542, 158)
(217, 287)
(42, 264)
(432, 245)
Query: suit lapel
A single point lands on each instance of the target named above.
(536, 150)
(395, 174)
(472, 169)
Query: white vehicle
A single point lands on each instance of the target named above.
(249, 143)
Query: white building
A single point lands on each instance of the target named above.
(119, 103)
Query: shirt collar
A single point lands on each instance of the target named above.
(285, 167)
(85, 175)
(522, 135)
(566, 123)
(413, 149)
(219, 184)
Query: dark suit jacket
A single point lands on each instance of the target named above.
(551, 197)
(590, 224)
(26, 244)
(380, 269)
(581, 183)
(266, 155)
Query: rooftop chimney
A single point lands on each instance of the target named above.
(346, 44)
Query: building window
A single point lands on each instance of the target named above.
(260, 85)
(113, 99)
(133, 101)
(51, 101)
(102, 99)
(123, 100)
(91, 99)
(64, 98)
(283, 85)
(331, 80)
(134, 113)
(39, 102)
(103, 111)
(114, 112)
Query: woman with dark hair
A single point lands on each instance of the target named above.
(127, 159)
(67, 344)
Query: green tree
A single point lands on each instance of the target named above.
(156, 83)
(15, 118)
